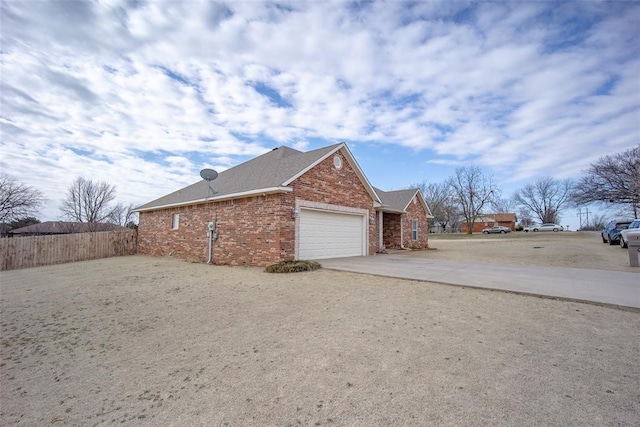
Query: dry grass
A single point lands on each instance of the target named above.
(566, 249)
(144, 341)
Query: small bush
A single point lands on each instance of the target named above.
(292, 267)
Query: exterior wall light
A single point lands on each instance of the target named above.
(295, 213)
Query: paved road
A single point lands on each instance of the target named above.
(607, 287)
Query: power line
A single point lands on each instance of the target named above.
(586, 213)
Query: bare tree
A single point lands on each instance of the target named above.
(88, 201)
(122, 215)
(545, 198)
(472, 191)
(23, 222)
(17, 200)
(596, 223)
(612, 179)
(525, 218)
(503, 205)
(438, 197)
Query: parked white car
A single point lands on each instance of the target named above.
(497, 229)
(634, 226)
(545, 227)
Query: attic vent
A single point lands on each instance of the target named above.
(337, 162)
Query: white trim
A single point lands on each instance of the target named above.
(352, 162)
(312, 165)
(337, 162)
(423, 202)
(380, 230)
(387, 210)
(410, 200)
(243, 194)
(327, 207)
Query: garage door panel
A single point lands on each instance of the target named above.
(326, 234)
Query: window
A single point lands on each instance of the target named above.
(176, 221)
(337, 162)
(414, 229)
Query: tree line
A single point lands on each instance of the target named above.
(613, 182)
(85, 201)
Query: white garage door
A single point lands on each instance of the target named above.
(330, 235)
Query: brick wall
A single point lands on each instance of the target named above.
(156, 236)
(510, 224)
(415, 211)
(478, 226)
(248, 230)
(254, 231)
(326, 184)
(391, 230)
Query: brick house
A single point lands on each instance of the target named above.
(491, 220)
(506, 220)
(284, 205)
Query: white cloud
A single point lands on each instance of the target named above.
(148, 93)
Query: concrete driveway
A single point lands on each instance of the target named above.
(596, 286)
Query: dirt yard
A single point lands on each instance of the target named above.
(568, 249)
(149, 341)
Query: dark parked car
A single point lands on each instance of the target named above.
(611, 233)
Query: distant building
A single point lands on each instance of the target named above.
(4, 229)
(491, 220)
(61, 227)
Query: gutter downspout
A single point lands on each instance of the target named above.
(401, 233)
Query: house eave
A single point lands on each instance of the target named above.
(221, 198)
(389, 210)
(359, 172)
(395, 211)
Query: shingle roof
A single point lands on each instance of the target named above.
(272, 170)
(485, 218)
(396, 200)
(60, 227)
(504, 217)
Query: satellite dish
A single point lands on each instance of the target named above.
(208, 174)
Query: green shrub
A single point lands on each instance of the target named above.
(292, 267)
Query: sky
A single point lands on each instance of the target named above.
(145, 94)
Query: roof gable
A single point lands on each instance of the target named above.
(398, 201)
(270, 172)
(504, 217)
(342, 147)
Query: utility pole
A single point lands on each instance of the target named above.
(587, 212)
(580, 213)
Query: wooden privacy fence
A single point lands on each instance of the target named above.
(24, 252)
